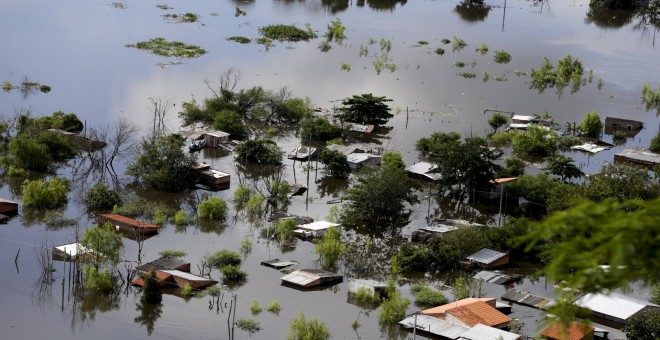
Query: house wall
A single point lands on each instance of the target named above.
(8, 208)
(504, 260)
(631, 161)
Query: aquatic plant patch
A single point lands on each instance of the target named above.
(240, 40)
(502, 57)
(162, 47)
(181, 18)
(287, 33)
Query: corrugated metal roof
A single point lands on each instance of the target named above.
(345, 150)
(482, 332)
(184, 275)
(217, 133)
(486, 256)
(300, 278)
(129, 221)
(522, 118)
(479, 313)
(434, 326)
(421, 168)
(73, 249)
(493, 277)
(645, 156)
(163, 263)
(318, 225)
(575, 331)
(439, 311)
(439, 228)
(370, 283)
(526, 298)
(615, 305)
(359, 157)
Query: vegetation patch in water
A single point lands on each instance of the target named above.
(164, 7)
(459, 64)
(324, 46)
(239, 12)
(569, 71)
(160, 46)
(439, 51)
(469, 75)
(483, 49)
(502, 57)
(287, 33)
(240, 40)
(345, 67)
(458, 44)
(336, 31)
(181, 18)
(423, 42)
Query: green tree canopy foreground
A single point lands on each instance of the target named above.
(366, 109)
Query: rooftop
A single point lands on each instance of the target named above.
(439, 311)
(163, 263)
(644, 156)
(479, 312)
(318, 225)
(616, 305)
(483, 332)
(575, 331)
(486, 256)
(434, 326)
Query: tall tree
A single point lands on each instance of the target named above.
(563, 167)
(497, 120)
(366, 109)
(335, 163)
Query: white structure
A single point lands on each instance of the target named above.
(615, 307)
(314, 229)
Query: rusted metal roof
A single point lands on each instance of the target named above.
(129, 221)
(526, 298)
(479, 312)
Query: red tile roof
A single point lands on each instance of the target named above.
(439, 311)
(129, 221)
(575, 331)
(479, 312)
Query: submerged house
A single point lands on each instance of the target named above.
(359, 159)
(215, 179)
(81, 141)
(483, 332)
(637, 157)
(527, 299)
(435, 326)
(308, 278)
(8, 207)
(172, 272)
(628, 126)
(424, 233)
(376, 288)
(72, 252)
(314, 229)
(128, 225)
(215, 139)
(423, 171)
(487, 259)
(164, 263)
(574, 331)
(614, 307)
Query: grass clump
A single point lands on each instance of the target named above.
(240, 40)
(162, 47)
(181, 218)
(248, 325)
(468, 75)
(458, 44)
(274, 307)
(255, 308)
(345, 67)
(364, 295)
(181, 18)
(428, 296)
(233, 274)
(164, 7)
(239, 12)
(267, 42)
(287, 33)
(213, 208)
(459, 64)
(483, 49)
(336, 31)
(502, 57)
(324, 46)
(423, 42)
(223, 258)
(650, 97)
(439, 51)
(172, 253)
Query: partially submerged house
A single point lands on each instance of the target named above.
(164, 263)
(614, 306)
(494, 277)
(475, 313)
(527, 299)
(637, 157)
(592, 147)
(440, 311)
(487, 259)
(278, 264)
(177, 278)
(302, 153)
(215, 179)
(424, 233)
(308, 278)
(528, 120)
(574, 331)
(72, 252)
(357, 160)
(283, 216)
(355, 127)
(423, 171)
(628, 126)
(314, 229)
(215, 138)
(8, 207)
(376, 288)
(435, 326)
(128, 225)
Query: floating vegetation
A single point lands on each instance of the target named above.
(27, 87)
(345, 67)
(164, 7)
(162, 47)
(501, 77)
(568, 71)
(502, 57)
(650, 97)
(240, 40)
(473, 63)
(287, 33)
(336, 31)
(591, 76)
(248, 325)
(385, 45)
(267, 42)
(423, 42)
(485, 76)
(520, 73)
(600, 83)
(439, 51)
(459, 64)
(445, 41)
(372, 41)
(181, 18)
(239, 12)
(119, 5)
(364, 51)
(324, 46)
(458, 44)
(483, 49)
(469, 75)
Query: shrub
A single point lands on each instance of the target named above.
(255, 308)
(502, 57)
(181, 217)
(536, 141)
(365, 296)
(393, 309)
(330, 247)
(483, 49)
(324, 46)
(15, 172)
(232, 273)
(162, 47)
(591, 126)
(410, 258)
(286, 33)
(150, 292)
(439, 51)
(248, 325)
(213, 208)
(100, 281)
(458, 44)
(336, 163)
(430, 297)
(223, 258)
(45, 195)
(259, 151)
(246, 246)
(101, 197)
(320, 128)
(29, 154)
(336, 31)
(187, 290)
(172, 253)
(274, 306)
(301, 328)
(240, 40)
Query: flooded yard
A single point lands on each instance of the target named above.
(78, 48)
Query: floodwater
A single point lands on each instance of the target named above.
(77, 48)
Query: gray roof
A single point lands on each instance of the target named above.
(434, 325)
(163, 263)
(527, 299)
(358, 158)
(424, 169)
(304, 277)
(278, 264)
(645, 156)
(184, 275)
(493, 277)
(614, 305)
(345, 150)
(438, 228)
(486, 256)
(482, 332)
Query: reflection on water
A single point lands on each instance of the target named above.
(149, 313)
(471, 11)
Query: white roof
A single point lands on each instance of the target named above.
(346, 150)
(590, 147)
(318, 225)
(434, 325)
(184, 275)
(73, 249)
(359, 157)
(645, 156)
(438, 228)
(482, 332)
(615, 304)
(486, 256)
(523, 118)
(300, 277)
(217, 133)
(421, 168)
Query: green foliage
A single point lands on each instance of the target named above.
(15, 172)
(459, 64)
(239, 12)
(535, 142)
(224, 258)
(233, 274)
(240, 39)
(563, 167)
(285, 230)
(497, 120)
(423, 42)
(248, 325)
(536, 189)
(255, 207)
(410, 258)
(274, 307)
(29, 154)
(330, 247)
(439, 51)
(241, 196)
(463, 289)
(457, 44)
(229, 121)
(181, 218)
(106, 243)
(286, 33)
(568, 71)
(320, 128)
(392, 159)
(172, 253)
(187, 290)
(336, 31)
(45, 195)
(181, 18)
(655, 143)
(365, 296)
(96, 280)
(324, 46)
(355, 324)
(366, 109)
(213, 208)
(483, 49)
(246, 246)
(255, 308)
(430, 297)
(345, 67)
(644, 325)
(513, 167)
(336, 163)
(591, 126)
(502, 57)
(162, 164)
(393, 309)
(259, 151)
(150, 291)
(485, 76)
(162, 47)
(655, 294)
(380, 201)
(102, 197)
(160, 217)
(7, 86)
(651, 98)
(468, 75)
(301, 328)
(621, 182)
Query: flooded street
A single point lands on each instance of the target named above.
(78, 49)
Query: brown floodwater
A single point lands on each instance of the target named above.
(77, 48)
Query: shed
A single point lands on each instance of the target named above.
(72, 252)
(165, 263)
(357, 160)
(494, 277)
(423, 171)
(376, 288)
(483, 332)
(213, 178)
(637, 157)
(628, 126)
(526, 299)
(128, 225)
(355, 127)
(614, 307)
(475, 313)
(575, 331)
(215, 138)
(488, 259)
(435, 326)
(308, 278)
(282, 216)
(343, 149)
(278, 264)
(196, 282)
(439, 311)
(424, 233)
(314, 229)
(590, 147)
(8, 207)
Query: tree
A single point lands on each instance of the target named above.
(335, 163)
(101, 197)
(301, 328)
(162, 164)
(392, 159)
(380, 202)
(497, 120)
(150, 291)
(213, 208)
(366, 109)
(591, 126)
(513, 167)
(655, 143)
(621, 182)
(644, 326)
(535, 141)
(106, 243)
(330, 247)
(229, 121)
(260, 151)
(29, 153)
(320, 128)
(45, 195)
(563, 167)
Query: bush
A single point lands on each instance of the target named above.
(591, 126)
(181, 217)
(240, 39)
(248, 325)
(223, 258)
(101, 197)
(233, 274)
(172, 253)
(213, 208)
(187, 290)
(29, 154)
(45, 195)
(259, 151)
(255, 308)
(15, 172)
(535, 142)
(330, 247)
(410, 258)
(644, 326)
(95, 280)
(286, 33)
(274, 307)
(320, 128)
(307, 329)
(365, 296)
(150, 291)
(335, 162)
(393, 309)
(430, 297)
(502, 57)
